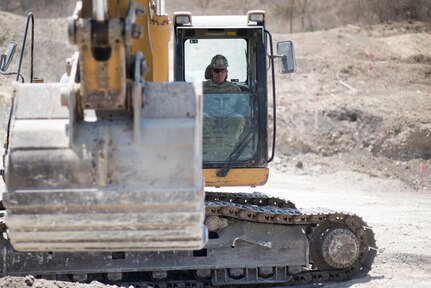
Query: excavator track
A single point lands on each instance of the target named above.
(320, 221)
(328, 232)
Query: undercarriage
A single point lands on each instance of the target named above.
(253, 240)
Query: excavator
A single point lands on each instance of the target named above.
(108, 172)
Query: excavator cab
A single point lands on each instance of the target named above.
(235, 124)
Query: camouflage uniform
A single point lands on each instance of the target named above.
(224, 119)
(210, 86)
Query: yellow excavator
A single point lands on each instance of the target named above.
(106, 170)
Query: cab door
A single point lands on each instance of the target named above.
(232, 156)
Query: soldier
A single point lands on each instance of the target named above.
(224, 120)
(219, 73)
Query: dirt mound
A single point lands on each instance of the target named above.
(356, 96)
(412, 45)
(406, 143)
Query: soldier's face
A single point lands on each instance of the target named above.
(219, 75)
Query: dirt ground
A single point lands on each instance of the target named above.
(354, 134)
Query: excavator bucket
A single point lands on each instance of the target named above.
(113, 181)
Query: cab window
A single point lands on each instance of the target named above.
(199, 52)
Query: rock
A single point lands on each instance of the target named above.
(29, 280)
(299, 165)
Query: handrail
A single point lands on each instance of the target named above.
(29, 16)
(274, 106)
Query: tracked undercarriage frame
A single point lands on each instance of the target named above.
(253, 240)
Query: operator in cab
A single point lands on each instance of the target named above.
(224, 112)
(219, 73)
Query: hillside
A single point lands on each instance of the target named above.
(359, 101)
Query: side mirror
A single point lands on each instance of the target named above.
(286, 52)
(6, 58)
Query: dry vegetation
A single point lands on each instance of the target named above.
(302, 15)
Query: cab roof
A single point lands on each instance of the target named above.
(253, 18)
(227, 20)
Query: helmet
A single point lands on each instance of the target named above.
(219, 62)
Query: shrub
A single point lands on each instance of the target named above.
(401, 9)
